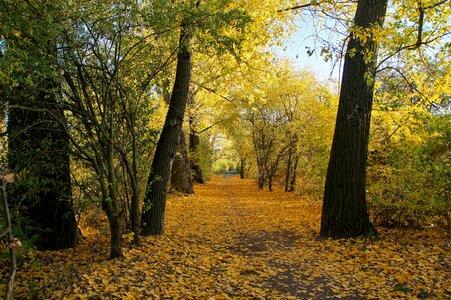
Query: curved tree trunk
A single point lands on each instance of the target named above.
(344, 212)
(39, 151)
(155, 197)
(181, 172)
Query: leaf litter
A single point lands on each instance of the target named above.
(232, 241)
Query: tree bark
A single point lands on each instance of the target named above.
(39, 146)
(288, 171)
(270, 183)
(9, 293)
(181, 172)
(261, 181)
(194, 142)
(242, 168)
(114, 211)
(293, 174)
(114, 220)
(155, 196)
(344, 212)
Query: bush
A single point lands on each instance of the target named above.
(409, 180)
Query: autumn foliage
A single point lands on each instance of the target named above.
(232, 240)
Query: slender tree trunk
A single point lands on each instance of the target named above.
(114, 209)
(293, 174)
(9, 293)
(134, 191)
(39, 146)
(132, 173)
(134, 207)
(288, 171)
(134, 217)
(155, 197)
(344, 211)
(181, 172)
(270, 183)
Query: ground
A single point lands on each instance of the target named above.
(232, 241)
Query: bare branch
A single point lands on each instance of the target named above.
(212, 91)
(301, 6)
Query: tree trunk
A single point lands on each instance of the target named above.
(293, 174)
(270, 183)
(134, 217)
(242, 168)
(194, 142)
(288, 172)
(112, 203)
(12, 242)
(134, 207)
(181, 172)
(115, 223)
(38, 148)
(155, 196)
(344, 212)
(261, 181)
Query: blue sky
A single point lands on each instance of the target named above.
(295, 49)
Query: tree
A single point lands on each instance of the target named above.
(205, 21)
(38, 147)
(155, 196)
(344, 212)
(109, 94)
(194, 143)
(268, 126)
(181, 178)
(11, 241)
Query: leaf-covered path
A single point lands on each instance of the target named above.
(231, 240)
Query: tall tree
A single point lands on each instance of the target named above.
(38, 147)
(344, 212)
(110, 104)
(155, 197)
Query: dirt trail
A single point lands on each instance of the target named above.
(263, 232)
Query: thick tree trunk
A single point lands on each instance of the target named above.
(194, 142)
(181, 172)
(344, 212)
(261, 181)
(39, 150)
(115, 223)
(242, 168)
(155, 198)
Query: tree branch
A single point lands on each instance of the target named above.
(212, 91)
(301, 6)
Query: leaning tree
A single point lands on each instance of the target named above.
(344, 212)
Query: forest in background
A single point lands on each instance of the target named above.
(114, 104)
